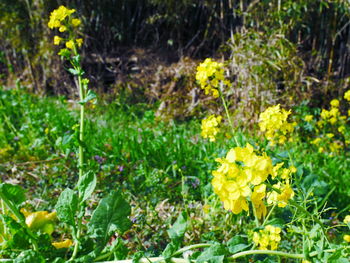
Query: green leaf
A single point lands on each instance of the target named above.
(213, 254)
(86, 185)
(13, 192)
(110, 215)
(67, 206)
(89, 96)
(170, 249)
(73, 71)
(29, 256)
(237, 244)
(177, 231)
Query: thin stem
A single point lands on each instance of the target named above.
(182, 250)
(268, 215)
(266, 252)
(255, 216)
(228, 114)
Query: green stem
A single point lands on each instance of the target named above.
(228, 114)
(266, 252)
(255, 216)
(268, 215)
(81, 154)
(182, 250)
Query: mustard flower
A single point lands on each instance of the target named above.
(58, 15)
(232, 181)
(347, 95)
(267, 238)
(281, 199)
(79, 41)
(210, 127)
(335, 103)
(346, 238)
(309, 118)
(209, 76)
(70, 44)
(76, 22)
(273, 122)
(57, 40)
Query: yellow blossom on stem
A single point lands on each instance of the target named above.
(58, 15)
(335, 103)
(267, 238)
(79, 42)
(308, 118)
(210, 127)
(70, 44)
(347, 95)
(76, 22)
(209, 76)
(346, 238)
(57, 40)
(273, 122)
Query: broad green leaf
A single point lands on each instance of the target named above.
(29, 256)
(237, 244)
(86, 185)
(89, 96)
(13, 192)
(67, 206)
(111, 215)
(179, 228)
(214, 254)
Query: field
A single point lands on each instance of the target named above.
(254, 172)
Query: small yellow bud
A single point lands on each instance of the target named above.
(79, 42)
(76, 22)
(57, 40)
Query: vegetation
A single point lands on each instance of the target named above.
(246, 163)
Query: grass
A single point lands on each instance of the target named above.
(163, 167)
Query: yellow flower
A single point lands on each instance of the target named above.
(57, 40)
(273, 122)
(58, 15)
(341, 129)
(79, 42)
(267, 238)
(76, 22)
(330, 135)
(316, 141)
(41, 220)
(62, 28)
(240, 171)
(347, 219)
(347, 238)
(210, 127)
(63, 244)
(70, 44)
(335, 103)
(209, 76)
(347, 95)
(309, 118)
(281, 199)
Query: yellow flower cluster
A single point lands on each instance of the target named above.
(241, 176)
(61, 18)
(210, 127)
(267, 238)
(209, 75)
(273, 122)
(332, 128)
(347, 238)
